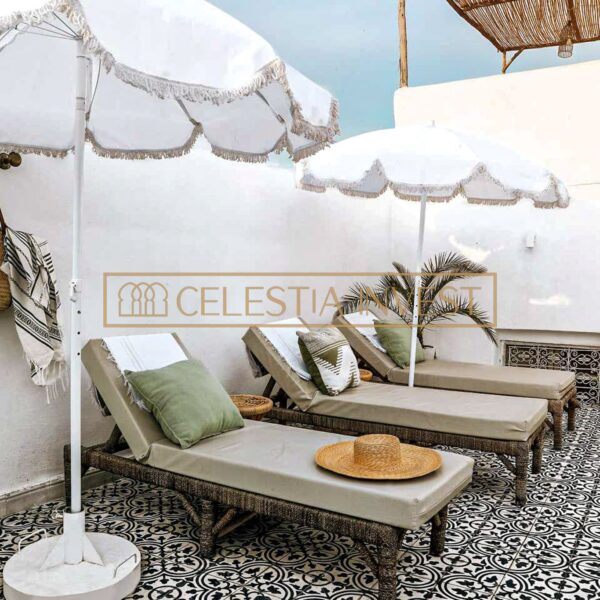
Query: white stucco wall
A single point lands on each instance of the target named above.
(198, 213)
(549, 115)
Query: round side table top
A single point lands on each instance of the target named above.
(365, 375)
(251, 406)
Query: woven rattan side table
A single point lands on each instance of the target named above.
(366, 375)
(252, 407)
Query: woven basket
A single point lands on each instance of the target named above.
(5, 297)
(366, 375)
(252, 407)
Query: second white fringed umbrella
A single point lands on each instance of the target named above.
(429, 163)
(137, 79)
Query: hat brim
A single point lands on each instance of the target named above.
(414, 462)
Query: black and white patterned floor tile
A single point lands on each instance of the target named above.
(548, 550)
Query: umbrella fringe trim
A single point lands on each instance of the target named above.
(233, 155)
(414, 192)
(40, 151)
(308, 151)
(164, 88)
(141, 154)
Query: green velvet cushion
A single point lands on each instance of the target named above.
(187, 401)
(396, 341)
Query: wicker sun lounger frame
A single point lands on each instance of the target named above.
(218, 509)
(556, 407)
(286, 412)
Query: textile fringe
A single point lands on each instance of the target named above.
(308, 151)
(282, 144)
(135, 399)
(164, 88)
(52, 153)
(141, 154)
(239, 156)
(414, 192)
(54, 389)
(257, 369)
(311, 188)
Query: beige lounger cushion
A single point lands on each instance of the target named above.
(277, 461)
(488, 379)
(463, 413)
(469, 377)
(295, 387)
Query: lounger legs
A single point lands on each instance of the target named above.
(387, 559)
(538, 449)
(438, 532)
(571, 407)
(521, 468)
(208, 515)
(556, 408)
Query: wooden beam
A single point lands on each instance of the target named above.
(403, 40)
(483, 4)
(505, 63)
(573, 19)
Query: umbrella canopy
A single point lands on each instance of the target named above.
(220, 80)
(430, 163)
(439, 163)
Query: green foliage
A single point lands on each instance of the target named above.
(396, 292)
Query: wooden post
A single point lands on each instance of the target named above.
(403, 62)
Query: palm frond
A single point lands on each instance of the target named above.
(449, 309)
(405, 275)
(443, 269)
(358, 298)
(396, 292)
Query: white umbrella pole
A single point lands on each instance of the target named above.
(415, 322)
(75, 289)
(74, 520)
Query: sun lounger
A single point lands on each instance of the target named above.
(556, 387)
(507, 426)
(269, 469)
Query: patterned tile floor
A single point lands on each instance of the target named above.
(548, 550)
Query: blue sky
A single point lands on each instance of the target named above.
(351, 47)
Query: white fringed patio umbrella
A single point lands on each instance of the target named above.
(429, 163)
(137, 79)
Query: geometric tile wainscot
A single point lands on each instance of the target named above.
(583, 360)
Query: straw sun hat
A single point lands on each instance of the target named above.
(378, 457)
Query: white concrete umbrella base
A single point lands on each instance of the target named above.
(24, 578)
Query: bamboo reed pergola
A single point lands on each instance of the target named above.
(514, 26)
(519, 25)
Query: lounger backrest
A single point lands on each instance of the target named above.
(139, 428)
(375, 358)
(299, 390)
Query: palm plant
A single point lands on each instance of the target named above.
(396, 292)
